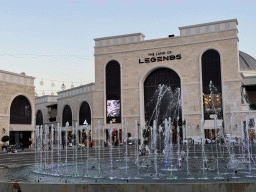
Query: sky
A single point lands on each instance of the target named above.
(52, 40)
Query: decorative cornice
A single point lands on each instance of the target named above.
(127, 88)
(4, 115)
(194, 83)
(160, 47)
(89, 88)
(119, 36)
(129, 116)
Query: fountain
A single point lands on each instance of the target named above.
(199, 162)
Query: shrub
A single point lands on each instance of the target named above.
(5, 138)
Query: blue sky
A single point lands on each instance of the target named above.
(53, 40)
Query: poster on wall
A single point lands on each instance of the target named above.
(113, 108)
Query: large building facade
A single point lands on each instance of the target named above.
(17, 109)
(207, 74)
(201, 54)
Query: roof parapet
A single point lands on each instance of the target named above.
(211, 27)
(119, 40)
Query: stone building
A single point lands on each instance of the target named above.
(46, 111)
(207, 74)
(17, 98)
(72, 106)
(202, 54)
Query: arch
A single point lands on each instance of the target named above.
(39, 118)
(66, 116)
(112, 60)
(141, 91)
(211, 71)
(113, 91)
(20, 111)
(154, 78)
(85, 113)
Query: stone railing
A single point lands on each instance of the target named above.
(76, 91)
(119, 40)
(46, 99)
(15, 78)
(208, 27)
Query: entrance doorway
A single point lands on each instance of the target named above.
(169, 93)
(18, 137)
(210, 134)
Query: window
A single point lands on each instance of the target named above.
(85, 113)
(113, 92)
(67, 116)
(211, 79)
(39, 118)
(20, 111)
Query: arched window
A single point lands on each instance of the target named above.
(85, 113)
(67, 116)
(211, 79)
(113, 92)
(167, 108)
(39, 118)
(20, 111)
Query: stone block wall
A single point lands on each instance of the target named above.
(13, 85)
(191, 46)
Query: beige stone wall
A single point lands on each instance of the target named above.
(8, 92)
(188, 68)
(42, 106)
(166, 42)
(75, 103)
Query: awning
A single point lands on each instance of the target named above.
(19, 127)
(52, 106)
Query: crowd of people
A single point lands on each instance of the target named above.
(12, 148)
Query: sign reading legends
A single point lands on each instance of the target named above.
(159, 56)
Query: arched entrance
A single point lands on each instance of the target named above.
(39, 118)
(20, 113)
(212, 90)
(67, 116)
(162, 102)
(84, 114)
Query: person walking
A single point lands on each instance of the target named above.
(29, 143)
